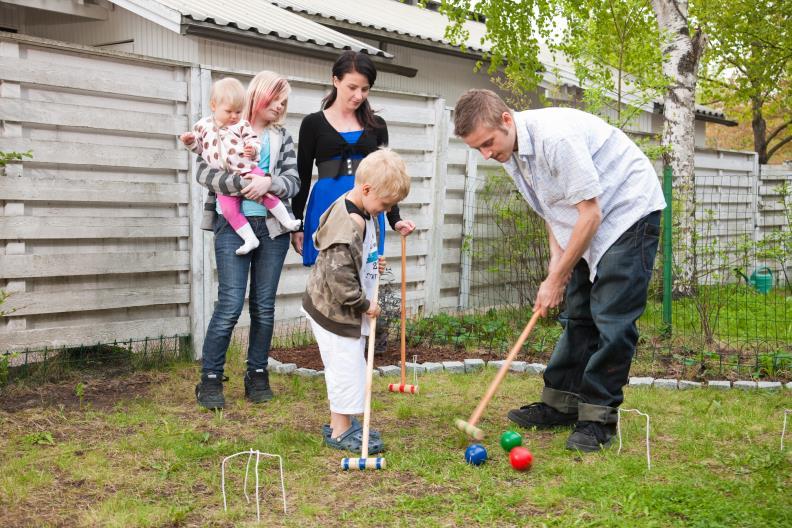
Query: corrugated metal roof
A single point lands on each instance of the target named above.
(265, 18)
(388, 15)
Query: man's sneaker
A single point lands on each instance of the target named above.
(209, 392)
(541, 416)
(257, 387)
(591, 436)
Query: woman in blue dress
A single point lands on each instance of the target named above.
(336, 138)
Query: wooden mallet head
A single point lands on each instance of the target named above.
(469, 429)
(362, 463)
(403, 387)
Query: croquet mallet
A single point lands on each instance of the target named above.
(364, 462)
(469, 427)
(403, 387)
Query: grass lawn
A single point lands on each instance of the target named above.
(144, 455)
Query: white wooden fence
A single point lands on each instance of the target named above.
(99, 230)
(99, 237)
(771, 208)
(738, 203)
(95, 227)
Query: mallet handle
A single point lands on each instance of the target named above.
(369, 376)
(474, 418)
(403, 309)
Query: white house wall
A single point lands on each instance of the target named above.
(700, 128)
(148, 38)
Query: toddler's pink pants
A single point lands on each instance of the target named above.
(232, 205)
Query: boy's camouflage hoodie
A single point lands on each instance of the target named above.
(334, 297)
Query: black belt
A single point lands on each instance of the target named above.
(337, 167)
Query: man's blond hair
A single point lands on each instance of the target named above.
(229, 91)
(386, 172)
(476, 108)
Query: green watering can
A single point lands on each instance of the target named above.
(761, 279)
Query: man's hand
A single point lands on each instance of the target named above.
(551, 293)
(381, 264)
(564, 260)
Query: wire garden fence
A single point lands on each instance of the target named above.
(733, 316)
(48, 364)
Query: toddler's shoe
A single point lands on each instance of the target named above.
(327, 431)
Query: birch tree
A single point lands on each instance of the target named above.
(683, 49)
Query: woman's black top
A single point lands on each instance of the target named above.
(320, 142)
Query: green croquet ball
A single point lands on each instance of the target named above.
(510, 440)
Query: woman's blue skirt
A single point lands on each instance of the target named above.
(323, 194)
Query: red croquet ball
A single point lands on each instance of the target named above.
(520, 458)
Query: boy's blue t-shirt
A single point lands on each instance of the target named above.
(249, 207)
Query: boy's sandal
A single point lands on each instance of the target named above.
(352, 440)
(327, 431)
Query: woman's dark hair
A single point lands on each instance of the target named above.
(350, 62)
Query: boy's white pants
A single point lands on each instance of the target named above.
(344, 369)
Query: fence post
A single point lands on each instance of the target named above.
(434, 253)
(756, 199)
(468, 218)
(667, 251)
(11, 91)
(199, 271)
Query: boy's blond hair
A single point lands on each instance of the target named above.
(228, 90)
(262, 90)
(386, 172)
(478, 107)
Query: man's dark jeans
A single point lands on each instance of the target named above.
(591, 361)
(264, 265)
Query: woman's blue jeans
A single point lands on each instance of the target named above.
(591, 361)
(264, 265)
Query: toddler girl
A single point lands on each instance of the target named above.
(227, 142)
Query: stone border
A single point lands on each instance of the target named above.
(478, 365)
(713, 384)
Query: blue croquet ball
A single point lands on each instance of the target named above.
(475, 454)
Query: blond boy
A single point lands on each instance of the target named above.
(338, 300)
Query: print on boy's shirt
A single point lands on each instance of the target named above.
(371, 271)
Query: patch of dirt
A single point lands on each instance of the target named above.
(99, 393)
(308, 357)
